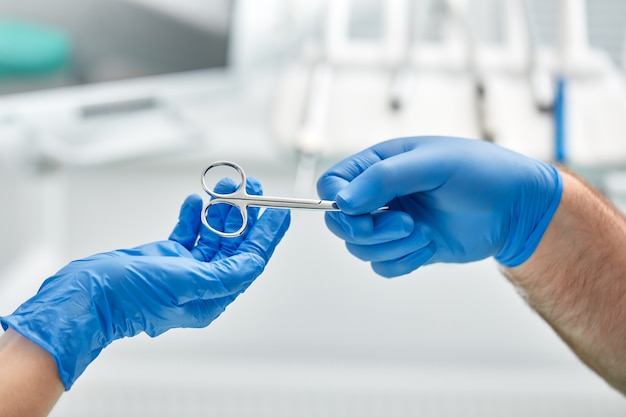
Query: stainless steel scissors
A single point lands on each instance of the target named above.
(242, 200)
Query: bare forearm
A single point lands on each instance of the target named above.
(29, 380)
(576, 279)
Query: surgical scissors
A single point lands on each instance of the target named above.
(241, 200)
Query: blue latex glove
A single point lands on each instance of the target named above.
(186, 281)
(450, 200)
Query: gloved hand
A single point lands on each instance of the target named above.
(186, 281)
(450, 200)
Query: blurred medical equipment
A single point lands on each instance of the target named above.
(559, 110)
(348, 90)
(390, 85)
(132, 68)
(241, 200)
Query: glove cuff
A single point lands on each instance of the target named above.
(58, 337)
(526, 236)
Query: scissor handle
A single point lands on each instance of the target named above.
(242, 211)
(236, 199)
(241, 187)
(241, 200)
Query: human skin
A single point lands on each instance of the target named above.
(29, 380)
(576, 279)
(185, 281)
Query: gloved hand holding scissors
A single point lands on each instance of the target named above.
(450, 200)
(186, 281)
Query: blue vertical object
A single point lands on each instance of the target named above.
(560, 121)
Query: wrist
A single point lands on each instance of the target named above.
(574, 280)
(69, 329)
(62, 338)
(29, 381)
(531, 214)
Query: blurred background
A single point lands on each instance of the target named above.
(110, 110)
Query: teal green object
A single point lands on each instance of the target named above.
(30, 49)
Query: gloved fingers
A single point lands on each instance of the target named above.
(223, 217)
(378, 227)
(405, 264)
(343, 172)
(329, 185)
(374, 177)
(208, 242)
(233, 220)
(268, 231)
(349, 228)
(420, 170)
(390, 250)
(186, 230)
